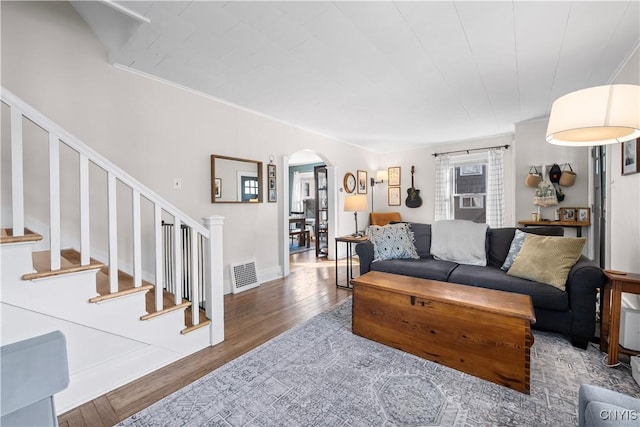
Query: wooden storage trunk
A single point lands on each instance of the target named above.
(482, 332)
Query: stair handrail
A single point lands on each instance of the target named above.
(49, 125)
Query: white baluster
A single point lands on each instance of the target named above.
(195, 288)
(85, 242)
(17, 175)
(137, 239)
(113, 233)
(177, 260)
(157, 223)
(214, 289)
(54, 201)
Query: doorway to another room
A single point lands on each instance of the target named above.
(303, 202)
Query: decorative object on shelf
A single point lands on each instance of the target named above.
(271, 179)
(355, 203)
(413, 199)
(394, 176)
(394, 196)
(362, 182)
(568, 177)
(349, 182)
(218, 188)
(631, 157)
(596, 116)
(583, 214)
(567, 214)
(533, 178)
(381, 176)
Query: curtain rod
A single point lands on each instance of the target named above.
(472, 149)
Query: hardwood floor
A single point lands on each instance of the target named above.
(251, 318)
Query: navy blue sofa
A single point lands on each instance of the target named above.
(571, 312)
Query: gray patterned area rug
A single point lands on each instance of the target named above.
(320, 374)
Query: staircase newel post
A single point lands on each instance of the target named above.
(214, 287)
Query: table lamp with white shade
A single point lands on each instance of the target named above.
(354, 204)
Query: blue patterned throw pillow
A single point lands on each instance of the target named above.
(514, 249)
(392, 241)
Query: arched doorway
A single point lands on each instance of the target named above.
(297, 197)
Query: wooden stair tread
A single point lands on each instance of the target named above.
(125, 292)
(151, 315)
(192, 328)
(42, 265)
(6, 236)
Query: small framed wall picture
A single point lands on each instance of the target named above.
(394, 176)
(394, 196)
(583, 215)
(272, 192)
(631, 157)
(567, 214)
(362, 182)
(218, 188)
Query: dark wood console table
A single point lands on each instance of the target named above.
(574, 224)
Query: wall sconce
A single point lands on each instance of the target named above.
(381, 176)
(595, 116)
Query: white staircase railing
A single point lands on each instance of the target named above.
(206, 243)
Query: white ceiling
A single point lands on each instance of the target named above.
(382, 75)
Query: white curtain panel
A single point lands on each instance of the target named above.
(296, 193)
(443, 188)
(495, 188)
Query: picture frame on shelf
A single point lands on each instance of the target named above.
(394, 196)
(567, 214)
(631, 157)
(272, 192)
(362, 182)
(394, 176)
(583, 214)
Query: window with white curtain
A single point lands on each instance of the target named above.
(471, 187)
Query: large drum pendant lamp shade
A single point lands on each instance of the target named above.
(596, 116)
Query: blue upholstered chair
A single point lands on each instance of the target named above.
(601, 407)
(33, 370)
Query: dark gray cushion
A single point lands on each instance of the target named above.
(425, 268)
(422, 242)
(499, 240)
(543, 296)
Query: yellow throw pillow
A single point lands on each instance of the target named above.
(547, 259)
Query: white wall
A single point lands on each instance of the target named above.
(624, 195)
(155, 132)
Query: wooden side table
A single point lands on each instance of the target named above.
(349, 240)
(610, 322)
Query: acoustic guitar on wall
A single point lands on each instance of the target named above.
(413, 196)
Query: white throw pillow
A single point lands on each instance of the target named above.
(459, 241)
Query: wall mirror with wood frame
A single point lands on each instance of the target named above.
(235, 180)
